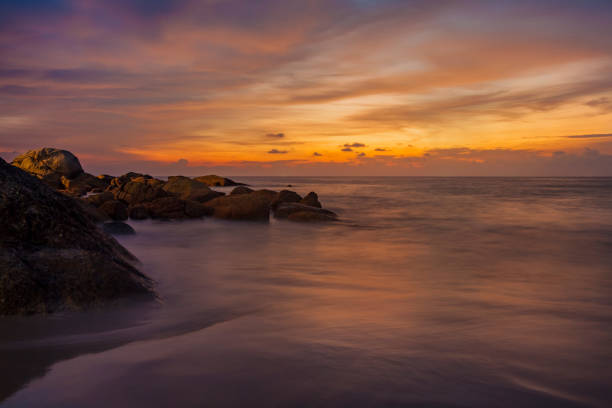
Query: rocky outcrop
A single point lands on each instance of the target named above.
(217, 181)
(49, 161)
(98, 199)
(82, 184)
(241, 190)
(285, 196)
(303, 213)
(117, 228)
(253, 206)
(115, 209)
(174, 208)
(188, 189)
(52, 256)
(138, 212)
(94, 213)
(138, 190)
(311, 199)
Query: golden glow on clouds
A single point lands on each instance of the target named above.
(210, 82)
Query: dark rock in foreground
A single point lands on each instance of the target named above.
(52, 256)
(117, 228)
(303, 213)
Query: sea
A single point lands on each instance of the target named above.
(428, 292)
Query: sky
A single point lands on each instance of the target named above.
(311, 87)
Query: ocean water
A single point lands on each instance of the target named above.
(430, 292)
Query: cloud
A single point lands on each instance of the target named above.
(439, 162)
(317, 154)
(347, 149)
(182, 162)
(603, 101)
(361, 154)
(201, 78)
(276, 151)
(589, 136)
(380, 149)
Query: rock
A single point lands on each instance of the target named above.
(82, 184)
(98, 199)
(241, 190)
(53, 180)
(49, 161)
(138, 212)
(252, 206)
(118, 182)
(303, 213)
(286, 196)
(52, 256)
(117, 228)
(115, 209)
(106, 179)
(94, 214)
(139, 190)
(311, 199)
(217, 181)
(188, 189)
(194, 209)
(166, 207)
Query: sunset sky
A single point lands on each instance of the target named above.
(333, 87)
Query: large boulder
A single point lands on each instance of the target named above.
(52, 256)
(138, 212)
(117, 228)
(115, 209)
(95, 214)
(311, 199)
(174, 208)
(166, 207)
(254, 206)
(303, 213)
(98, 199)
(81, 184)
(241, 190)
(195, 209)
(138, 190)
(188, 189)
(116, 182)
(217, 181)
(49, 163)
(286, 196)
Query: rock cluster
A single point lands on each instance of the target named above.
(52, 256)
(140, 196)
(60, 169)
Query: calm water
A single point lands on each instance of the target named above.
(431, 292)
